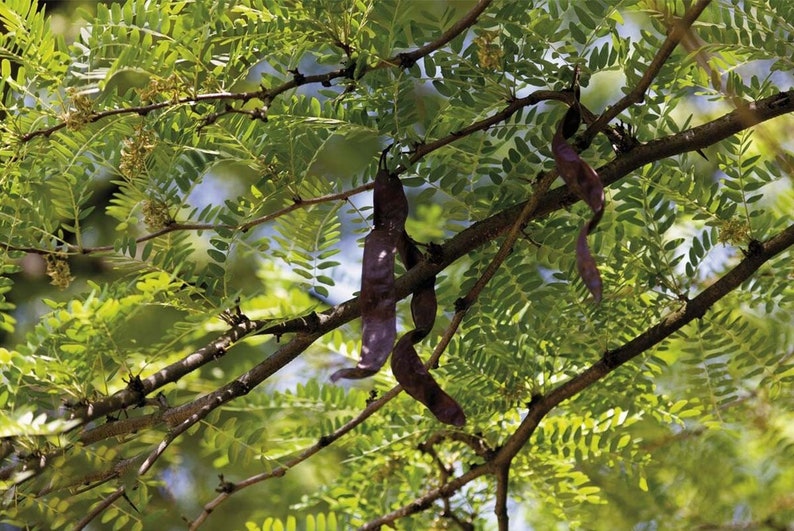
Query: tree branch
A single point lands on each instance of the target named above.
(637, 95)
(402, 60)
(421, 151)
(513, 107)
(326, 440)
(611, 360)
(502, 492)
(541, 205)
(407, 59)
(99, 509)
(460, 245)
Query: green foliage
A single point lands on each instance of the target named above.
(182, 204)
(320, 522)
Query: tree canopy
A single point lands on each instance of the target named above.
(234, 231)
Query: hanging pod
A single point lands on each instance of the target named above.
(379, 302)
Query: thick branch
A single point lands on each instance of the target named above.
(343, 430)
(502, 491)
(694, 309)
(133, 395)
(468, 240)
(460, 245)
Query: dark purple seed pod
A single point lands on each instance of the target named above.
(378, 304)
(417, 382)
(584, 182)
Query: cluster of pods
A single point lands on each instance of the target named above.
(379, 301)
(388, 239)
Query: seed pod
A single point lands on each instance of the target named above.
(389, 203)
(583, 181)
(417, 382)
(423, 302)
(377, 298)
(406, 366)
(378, 303)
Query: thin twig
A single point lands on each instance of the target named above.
(269, 95)
(146, 109)
(421, 151)
(637, 94)
(99, 509)
(302, 203)
(407, 59)
(482, 125)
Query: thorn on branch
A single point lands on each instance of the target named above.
(135, 385)
(529, 238)
(128, 500)
(754, 248)
(625, 141)
(234, 317)
(297, 77)
(220, 351)
(260, 113)
(781, 100)
(373, 396)
(312, 322)
(71, 406)
(406, 61)
(162, 401)
(227, 487)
